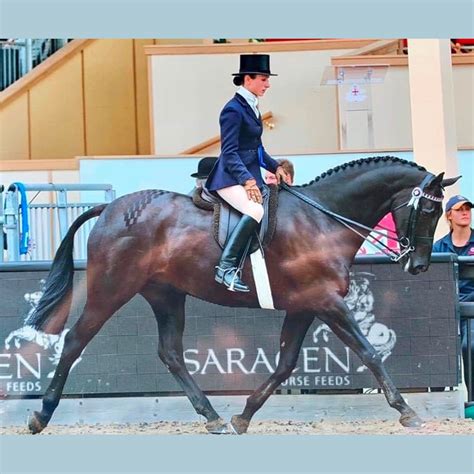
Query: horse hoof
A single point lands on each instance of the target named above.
(35, 425)
(239, 424)
(411, 421)
(219, 427)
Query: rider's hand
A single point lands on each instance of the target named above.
(282, 175)
(253, 193)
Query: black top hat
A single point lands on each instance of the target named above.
(204, 167)
(254, 64)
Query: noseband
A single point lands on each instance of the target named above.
(406, 243)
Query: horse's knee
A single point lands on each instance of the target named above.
(284, 371)
(72, 345)
(171, 359)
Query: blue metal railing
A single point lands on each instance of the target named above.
(35, 230)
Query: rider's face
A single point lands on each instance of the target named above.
(257, 86)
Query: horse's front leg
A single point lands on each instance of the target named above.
(293, 332)
(340, 320)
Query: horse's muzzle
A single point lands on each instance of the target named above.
(416, 269)
(421, 268)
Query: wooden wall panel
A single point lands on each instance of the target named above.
(110, 98)
(14, 130)
(56, 113)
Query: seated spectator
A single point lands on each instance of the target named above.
(287, 166)
(462, 45)
(205, 166)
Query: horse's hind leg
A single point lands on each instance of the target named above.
(346, 328)
(293, 332)
(168, 307)
(89, 323)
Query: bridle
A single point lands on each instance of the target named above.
(407, 242)
(416, 194)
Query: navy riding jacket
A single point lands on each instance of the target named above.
(242, 153)
(445, 245)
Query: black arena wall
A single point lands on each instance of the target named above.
(411, 321)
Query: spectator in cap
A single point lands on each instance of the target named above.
(205, 166)
(237, 178)
(460, 241)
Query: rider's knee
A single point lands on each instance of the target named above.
(256, 211)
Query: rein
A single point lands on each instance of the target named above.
(404, 242)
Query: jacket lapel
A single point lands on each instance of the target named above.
(247, 108)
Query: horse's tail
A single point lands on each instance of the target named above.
(57, 294)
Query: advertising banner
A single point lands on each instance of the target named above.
(410, 321)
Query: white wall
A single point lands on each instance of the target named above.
(391, 110)
(463, 78)
(188, 93)
(173, 174)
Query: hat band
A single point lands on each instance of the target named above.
(263, 73)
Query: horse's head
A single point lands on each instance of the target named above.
(416, 212)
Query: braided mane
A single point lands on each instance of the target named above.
(360, 162)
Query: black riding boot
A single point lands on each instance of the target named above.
(228, 265)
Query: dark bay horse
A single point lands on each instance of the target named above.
(158, 244)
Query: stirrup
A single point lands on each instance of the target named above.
(235, 278)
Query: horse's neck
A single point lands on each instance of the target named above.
(364, 194)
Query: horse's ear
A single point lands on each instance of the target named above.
(437, 180)
(449, 181)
